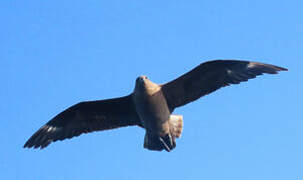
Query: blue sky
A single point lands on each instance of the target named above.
(54, 54)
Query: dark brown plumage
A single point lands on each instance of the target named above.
(150, 105)
(210, 76)
(86, 117)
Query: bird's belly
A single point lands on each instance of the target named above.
(153, 112)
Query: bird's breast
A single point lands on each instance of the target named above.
(153, 111)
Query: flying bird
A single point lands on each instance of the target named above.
(150, 105)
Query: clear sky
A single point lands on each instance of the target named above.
(54, 54)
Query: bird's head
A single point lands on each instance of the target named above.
(143, 84)
(141, 81)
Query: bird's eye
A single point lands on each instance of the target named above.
(145, 77)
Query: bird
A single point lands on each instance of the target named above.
(150, 105)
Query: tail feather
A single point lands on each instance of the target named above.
(157, 143)
(176, 125)
(167, 142)
(152, 143)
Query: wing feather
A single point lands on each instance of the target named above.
(86, 117)
(210, 76)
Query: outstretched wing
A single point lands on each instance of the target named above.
(86, 117)
(210, 76)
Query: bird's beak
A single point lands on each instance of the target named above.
(140, 81)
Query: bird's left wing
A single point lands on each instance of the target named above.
(210, 76)
(86, 117)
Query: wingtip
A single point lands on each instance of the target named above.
(283, 69)
(27, 144)
(41, 138)
(278, 68)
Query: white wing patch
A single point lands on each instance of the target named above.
(229, 71)
(51, 128)
(251, 65)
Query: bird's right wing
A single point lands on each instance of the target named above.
(86, 117)
(210, 76)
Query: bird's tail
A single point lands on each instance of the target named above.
(158, 143)
(168, 142)
(176, 125)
